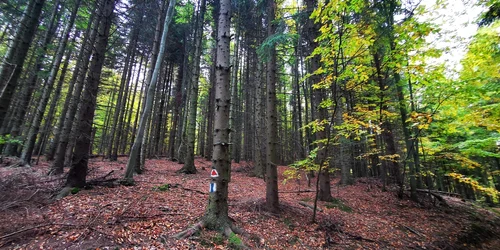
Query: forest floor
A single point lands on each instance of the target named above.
(146, 215)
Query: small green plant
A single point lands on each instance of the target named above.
(162, 188)
(339, 204)
(235, 241)
(218, 239)
(75, 190)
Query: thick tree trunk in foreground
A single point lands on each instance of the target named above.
(73, 98)
(136, 147)
(78, 172)
(216, 216)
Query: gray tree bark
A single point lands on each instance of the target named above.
(134, 152)
(216, 216)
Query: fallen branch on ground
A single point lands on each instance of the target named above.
(187, 189)
(24, 230)
(303, 191)
(413, 231)
(434, 193)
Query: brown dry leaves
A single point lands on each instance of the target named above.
(142, 217)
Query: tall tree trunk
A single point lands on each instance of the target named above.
(13, 62)
(216, 216)
(52, 109)
(67, 101)
(189, 167)
(234, 148)
(49, 86)
(272, 199)
(138, 141)
(320, 112)
(116, 128)
(154, 59)
(176, 110)
(73, 98)
(32, 80)
(133, 99)
(213, 79)
(260, 124)
(78, 171)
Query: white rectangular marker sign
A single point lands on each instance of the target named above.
(213, 187)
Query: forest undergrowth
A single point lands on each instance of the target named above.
(162, 203)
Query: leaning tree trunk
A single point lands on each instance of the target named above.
(78, 172)
(67, 102)
(30, 84)
(134, 152)
(49, 85)
(55, 99)
(189, 167)
(272, 199)
(14, 59)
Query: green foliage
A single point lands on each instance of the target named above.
(184, 13)
(218, 239)
(164, 187)
(307, 164)
(75, 190)
(272, 41)
(464, 132)
(235, 241)
(7, 139)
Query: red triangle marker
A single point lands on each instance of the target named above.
(214, 173)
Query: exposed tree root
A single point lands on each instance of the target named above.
(229, 231)
(190, 231)
(127, 182)
(63, 193)
(186, 170)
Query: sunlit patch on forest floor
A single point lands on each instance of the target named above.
(163, 203)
